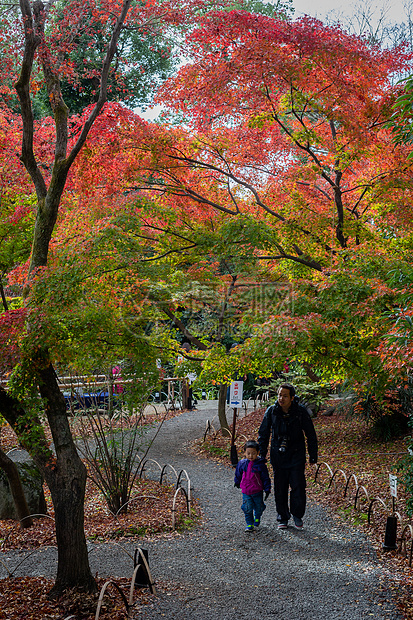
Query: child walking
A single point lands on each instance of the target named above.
(251, 476)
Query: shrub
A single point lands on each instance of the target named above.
(386, 415)
(311, 394)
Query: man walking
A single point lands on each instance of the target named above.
(286, 423)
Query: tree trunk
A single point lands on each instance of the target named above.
(186, 400)
(222, 401)
(66, 479)
(63, 471)
(16, 488)
(3, 296)
(67, 486)
(310, 372)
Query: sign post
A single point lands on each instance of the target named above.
(390, 535)
(235, 400)
(393, 489)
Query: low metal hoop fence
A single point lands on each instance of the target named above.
(127, 601)
(361, 497)
(406, 535)
(333, 477)
(350, 478)
(179, 491)
(180, 478)
(357, 501)
(209, 428)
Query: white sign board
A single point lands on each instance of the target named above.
(235, 393)
(191, 377)
(393, 485)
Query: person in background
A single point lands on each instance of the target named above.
(286, 423)
(117, 380)
(187, 397)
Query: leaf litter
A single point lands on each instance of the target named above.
(345, 443)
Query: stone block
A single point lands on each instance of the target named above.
(329, 411)
(32, 484)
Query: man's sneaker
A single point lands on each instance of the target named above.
(249, 528)
(282, 525)
(257, 522)
(298, 523)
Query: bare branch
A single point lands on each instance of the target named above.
(182, 328)
(32, 41)
(103, 82)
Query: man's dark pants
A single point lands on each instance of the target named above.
(293, 479)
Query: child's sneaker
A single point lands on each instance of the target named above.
(249, 528)
(282, 525)
(257, 522)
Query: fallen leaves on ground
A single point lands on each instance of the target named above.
(26, 598)
(149, 514)
(345, 443)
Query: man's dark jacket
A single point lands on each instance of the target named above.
(289, 429)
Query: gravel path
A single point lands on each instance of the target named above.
(220, 572)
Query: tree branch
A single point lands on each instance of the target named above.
(103, 82)
(32, 41)
(182, 328)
